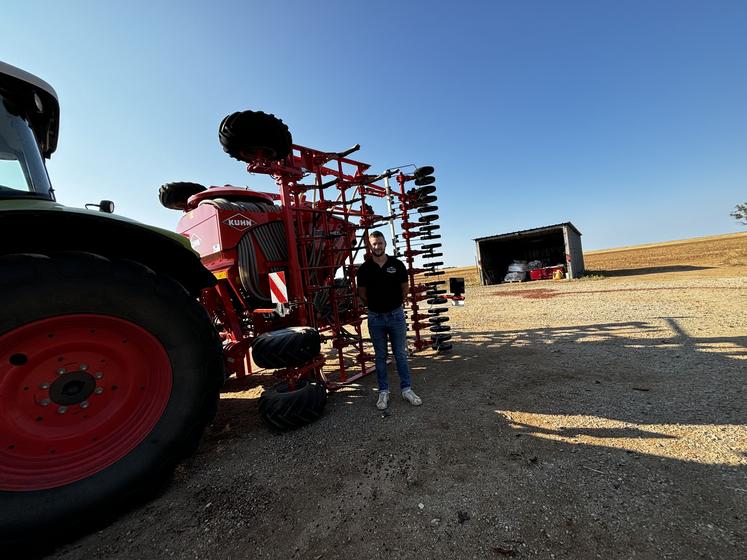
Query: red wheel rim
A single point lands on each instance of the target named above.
(78, 393)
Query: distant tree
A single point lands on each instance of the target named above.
(740, 213)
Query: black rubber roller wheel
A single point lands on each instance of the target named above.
(435, 292)
(251, 134)
(434, 273)
(427, 180)
(291, 347)
(437, 310)
(430, 246)
(434, 283)
(427, 208)
(424, 200)
(175, 195)
(438, 320)
(430, 227)
(442, 347)
(428, 218)
(429, 237)
(438, 338)
(422, 191)
(432, 255)
(436, 301)
(283, 408)
(440, 328)
(434, 264)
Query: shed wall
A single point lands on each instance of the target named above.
(576, 267)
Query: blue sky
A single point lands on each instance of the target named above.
(627, 118)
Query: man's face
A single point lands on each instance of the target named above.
(378, 246)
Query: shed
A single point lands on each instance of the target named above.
(554, 245)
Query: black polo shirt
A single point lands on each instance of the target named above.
(383, 284)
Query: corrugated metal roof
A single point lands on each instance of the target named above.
(526, 231)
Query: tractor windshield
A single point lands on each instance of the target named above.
(22, 170)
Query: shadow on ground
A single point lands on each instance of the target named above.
(609, 441)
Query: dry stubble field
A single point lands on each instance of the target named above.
(601, 418)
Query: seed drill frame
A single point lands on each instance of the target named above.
(313, 230)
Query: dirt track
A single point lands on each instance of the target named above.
(592, 419)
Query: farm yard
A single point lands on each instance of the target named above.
(599, 418)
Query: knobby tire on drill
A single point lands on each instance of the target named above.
(283, 408)
(283, 348)
(247, 135)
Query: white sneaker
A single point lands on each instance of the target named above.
(383, 401)
(410, 396)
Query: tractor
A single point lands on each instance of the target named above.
(110, 368)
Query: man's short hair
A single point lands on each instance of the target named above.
(377, 233)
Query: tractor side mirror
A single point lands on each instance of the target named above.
(103, 206)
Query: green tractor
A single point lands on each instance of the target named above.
(110, 369)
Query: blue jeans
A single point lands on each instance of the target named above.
(392, 324)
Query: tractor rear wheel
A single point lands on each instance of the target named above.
(283, 408)
(108, 375)
(283, 348)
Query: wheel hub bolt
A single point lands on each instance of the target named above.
(98, 375)
(82, 367)
(44, 402)
(61, 371)
(44, 386)
(98, 390)
(84, 404)
(62, 410)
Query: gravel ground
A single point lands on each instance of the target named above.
(588, 419)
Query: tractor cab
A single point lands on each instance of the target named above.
(29, 121)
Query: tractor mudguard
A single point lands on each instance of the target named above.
(34, 226)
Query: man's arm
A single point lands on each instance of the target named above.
(362, 294)
(405, 290)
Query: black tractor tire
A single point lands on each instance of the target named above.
(250, 134)
(283, 348)
(150, 385)
(175, 195)
(284, 409)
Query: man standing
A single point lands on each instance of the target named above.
(382, 285)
